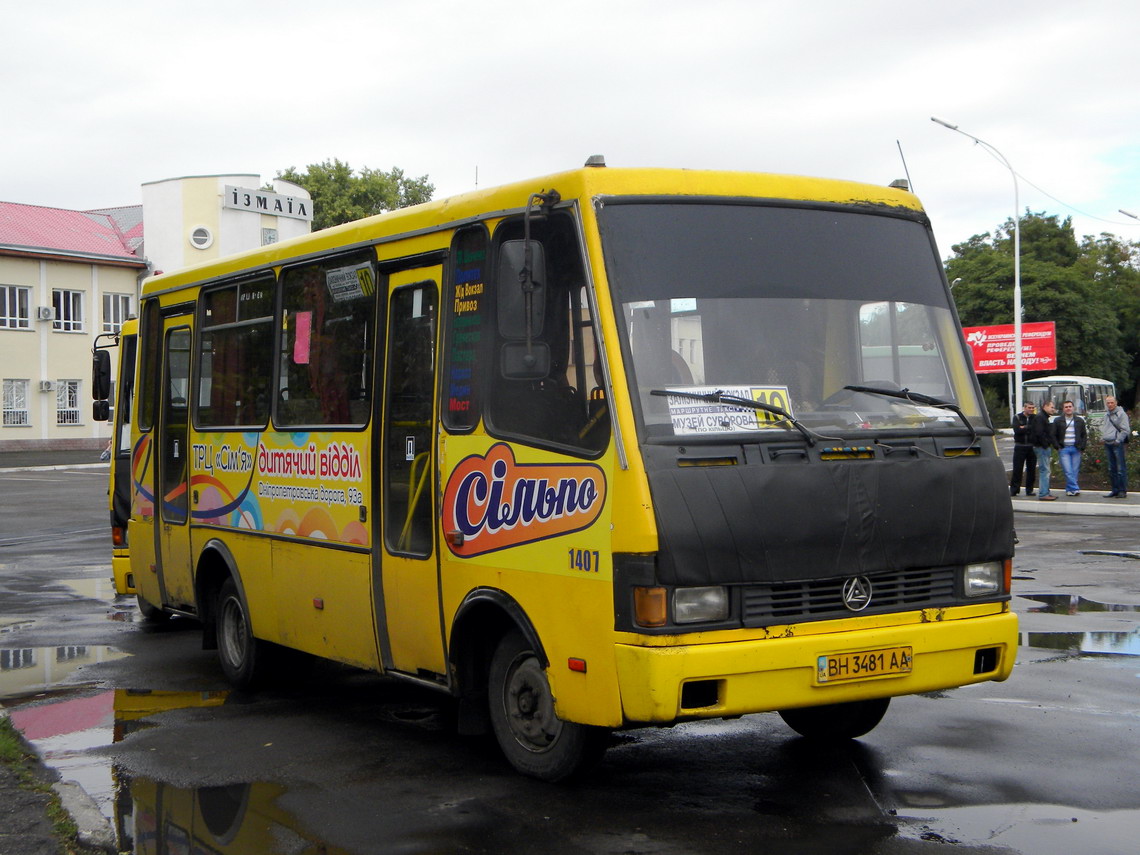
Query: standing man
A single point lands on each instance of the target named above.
(1043, 442)
(1023, 455)
(1115, 433)
(1072, 437)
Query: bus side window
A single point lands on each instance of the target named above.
(326, 347)
(555, 408)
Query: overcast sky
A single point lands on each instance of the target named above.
(98, 98)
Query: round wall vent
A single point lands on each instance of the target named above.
(201, 237)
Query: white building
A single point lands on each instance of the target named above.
(67, 277)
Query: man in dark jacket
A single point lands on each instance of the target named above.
(1024, 457)
(1043, 442)
(1071, 437)
(1115, 433)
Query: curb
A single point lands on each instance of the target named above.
(94, 829)
(56, 467)
(1087, 509)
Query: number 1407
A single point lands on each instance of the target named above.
(585, 560)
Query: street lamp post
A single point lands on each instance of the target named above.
(1016, 260)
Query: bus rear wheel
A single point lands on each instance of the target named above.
(242, 656)
(532, 737)
(836, 722)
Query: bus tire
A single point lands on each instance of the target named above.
(836, 722)
(533, 739)
(151, 613)
(242, 656)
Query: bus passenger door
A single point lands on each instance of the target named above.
(406, 573)
(172, 475)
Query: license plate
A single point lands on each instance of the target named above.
(863, 664)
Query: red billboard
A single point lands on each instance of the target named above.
(994, 352)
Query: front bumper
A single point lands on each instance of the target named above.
(758, 675)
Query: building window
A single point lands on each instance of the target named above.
(14, 307)
(68, 310)
(116, 309)
(15, 403)
(67, 402)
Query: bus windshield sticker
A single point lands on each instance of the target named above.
(350, 283)
(691, 416)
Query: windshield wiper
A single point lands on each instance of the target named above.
(919, 398)
(719, 397)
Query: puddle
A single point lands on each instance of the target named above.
(64, 729)
(1040, 829)
(1110, 643)
(93, 588)
(1071, 604)
(148, 815)
(27, 670)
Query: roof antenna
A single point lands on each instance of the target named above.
(902, 157)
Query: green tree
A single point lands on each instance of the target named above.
(341, 196)
(1114, 265)
(1074, 284)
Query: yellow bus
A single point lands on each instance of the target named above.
(611, 448)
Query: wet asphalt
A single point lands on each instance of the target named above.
(24, 826)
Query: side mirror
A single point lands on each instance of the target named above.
(101, 375)
(101, 411)
(515, 364)
(509, 295)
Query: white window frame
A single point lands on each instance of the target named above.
(68, 310)
(116, 309)
(67, 403)
(15, 404)
(15, 307)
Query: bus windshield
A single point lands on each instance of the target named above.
(783, 306)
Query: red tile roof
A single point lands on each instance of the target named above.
(31, 227)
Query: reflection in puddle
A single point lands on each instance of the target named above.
(1040, 829)
(150, 816)
(154, 817)
(26, 670)
(1119, 643)
(1071, 604)
(100, 587)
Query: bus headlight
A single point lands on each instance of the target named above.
(980, 580)
(691, 605)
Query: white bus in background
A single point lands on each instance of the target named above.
(1086, 393)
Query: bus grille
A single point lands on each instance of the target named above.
(820, 599)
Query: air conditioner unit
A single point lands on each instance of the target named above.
(45, 313)
(46, 385)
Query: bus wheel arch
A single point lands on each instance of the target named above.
(215, 565)
(484, 617)
(500, 669)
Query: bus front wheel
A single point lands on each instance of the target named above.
(242, 656)
(530, 734)
(834, 722)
